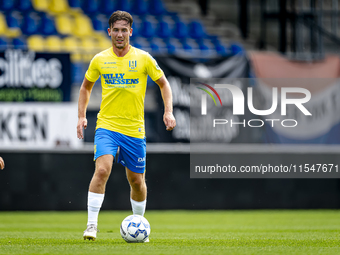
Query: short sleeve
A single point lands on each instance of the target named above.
(153, 70)
(92, 74)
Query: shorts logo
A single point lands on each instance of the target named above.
(141, 159)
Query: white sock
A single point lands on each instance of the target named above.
(138, 207)
(94, 202)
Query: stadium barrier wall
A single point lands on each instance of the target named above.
(59, 181)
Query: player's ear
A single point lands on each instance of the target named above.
(109, 31)
(131, 29)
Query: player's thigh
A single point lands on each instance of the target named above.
(104, 163)
(106, 142)
(133, 154)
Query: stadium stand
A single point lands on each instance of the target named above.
(80, 27)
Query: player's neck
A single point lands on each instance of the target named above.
(121, 52)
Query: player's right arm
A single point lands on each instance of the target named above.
(83, 101)
(2, 163)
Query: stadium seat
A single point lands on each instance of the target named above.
(147, 29)
(40, 5)
(181, 30)
(19, 43)
(107, 7)
(196, 30)
(236, 48)
(5, 30)
(24, 5)
(4, 43)
(156, 7)
(100, 23)
(64, 24)
(76, 4)
(89, 47)
(123, 5)
(14, 19)
(104, 42)
(71, 44)
(36, 43)
(221, 50)
(7, 5)
(139, 7)
(54, 43)
(90, 7)
(164, 30)
(31, 23)
(136, 29)
(58, 6)
(47, 25)
(83, 26)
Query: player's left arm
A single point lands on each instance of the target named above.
(168, 117)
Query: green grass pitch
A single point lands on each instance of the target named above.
(176, 232)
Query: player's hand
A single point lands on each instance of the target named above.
(169, 121)
(2, 163)
(82, 123)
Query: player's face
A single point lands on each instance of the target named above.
(120, 33)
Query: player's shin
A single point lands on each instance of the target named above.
(94, 203)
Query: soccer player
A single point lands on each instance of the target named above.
(120, 121)
(2, 163)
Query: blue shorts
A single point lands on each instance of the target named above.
(132, 153)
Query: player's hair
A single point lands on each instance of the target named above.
(120, 15)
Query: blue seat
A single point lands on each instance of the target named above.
(75, 3)
(31, 23)
(172, 49)
(156, 7)
(136, 29)
(221, 50)
(14, 19)
(24, 5)
(139, 7)
(7, 5)
(107, 7)
(236, 48)
(3, 43)
(47, 25)
(19, 43)
(181, 30)
(90, 7)
(147, 29)
(123, 5)
(196, 30)
(164, 30)
(100, 23)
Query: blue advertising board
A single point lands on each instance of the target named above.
(39, 77)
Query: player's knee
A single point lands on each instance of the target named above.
(137, 183)
(103, 173)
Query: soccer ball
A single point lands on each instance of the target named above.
(135, 229)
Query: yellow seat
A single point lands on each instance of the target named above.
(36, 43)
(71, 44)
(64, 24)
(58, 6)
(104, 42)
(5, 30)
(89, 48)
(83, 26)
(40, 5)
(54, 44)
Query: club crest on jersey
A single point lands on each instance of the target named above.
(133, 64)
